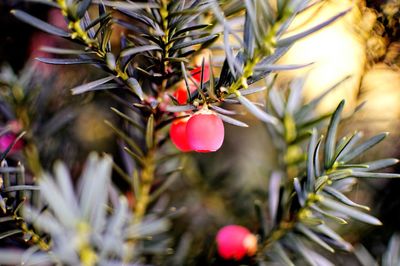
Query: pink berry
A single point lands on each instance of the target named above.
(235, 242)
(205, 131)
(181, 94)
(7, 139)
(15, 126)
(196, 73)
(178, 136)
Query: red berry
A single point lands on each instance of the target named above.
(15, 126)
(235, 242)
(196, 73)
(6, 141)
(205, 131)
(178, 135)
(181, 94)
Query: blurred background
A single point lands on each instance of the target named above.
(220, 188)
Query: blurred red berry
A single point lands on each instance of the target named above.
(56, 18)
(235, 242)
(40, 39)
(7, 139)
(178, 135)
(15, 126)
(196, 73)
(181, 94)
(205, 131)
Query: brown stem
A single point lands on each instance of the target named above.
(147, 178)
(31, 154)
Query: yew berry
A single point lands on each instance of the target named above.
(7, 139)
(235, 242)
(178, 135)
(196, 73)
(15, 126)
(181, 94)
(205, 131)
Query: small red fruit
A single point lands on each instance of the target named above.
(196, 73)
(235, 242)
(205, 131)
(178, 135)
(7, 139)
(15, 126)
(181, 94)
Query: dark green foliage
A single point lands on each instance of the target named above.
(317, 197)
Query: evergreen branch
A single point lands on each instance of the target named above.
(316, 191)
